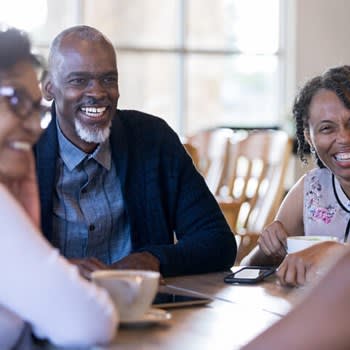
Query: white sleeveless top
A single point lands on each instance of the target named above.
(326, 206)
(40, 287)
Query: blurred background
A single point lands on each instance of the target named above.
(202, 63)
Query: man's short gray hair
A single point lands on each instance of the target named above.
(82, 32)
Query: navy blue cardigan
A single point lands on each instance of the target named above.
(163, 193)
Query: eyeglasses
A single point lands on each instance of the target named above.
(23, 105)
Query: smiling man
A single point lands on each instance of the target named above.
(116, 185)
(83, 81)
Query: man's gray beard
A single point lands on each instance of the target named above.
(92, 135)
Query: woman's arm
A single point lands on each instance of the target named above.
(272, 242)
(308, 264)
(320, 321)
(58, 303)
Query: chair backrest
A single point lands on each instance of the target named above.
(217, 152)
(210, 145)
(254, 178)
(212, 149)
(192, 152)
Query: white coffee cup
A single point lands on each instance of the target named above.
(296, 243)
(132, 291)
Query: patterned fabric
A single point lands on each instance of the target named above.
(89, 217)
(163, 195)
(321, 206)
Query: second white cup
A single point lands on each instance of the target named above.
(296, 243)
(132, 291)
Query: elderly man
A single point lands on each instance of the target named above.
(116, 186)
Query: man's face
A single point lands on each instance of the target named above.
(84, 85)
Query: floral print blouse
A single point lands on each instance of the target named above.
(326, 206)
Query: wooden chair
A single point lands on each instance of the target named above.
(252, 183)
(193, 152)
(211, 146)
(212, 150)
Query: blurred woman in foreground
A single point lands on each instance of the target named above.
(39, 290)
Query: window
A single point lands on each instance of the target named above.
(195, 63)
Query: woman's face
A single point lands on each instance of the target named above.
(329, 133)
(18, 133)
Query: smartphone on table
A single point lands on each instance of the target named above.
(250, 274)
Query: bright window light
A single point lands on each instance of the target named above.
(256, 34)
(23, 14)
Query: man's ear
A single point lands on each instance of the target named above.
(47, 87)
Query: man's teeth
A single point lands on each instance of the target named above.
(21, 145)
(93, 111)
(342, 156)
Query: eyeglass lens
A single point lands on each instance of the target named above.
(24, 106)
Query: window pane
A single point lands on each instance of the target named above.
(246, 25)
(147, 82)
(232, 91)
(60, 15)
(218, 88)
(135, 22)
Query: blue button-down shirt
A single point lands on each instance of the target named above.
(89, 212)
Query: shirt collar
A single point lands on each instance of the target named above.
(72, 156)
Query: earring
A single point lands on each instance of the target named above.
(312, 150)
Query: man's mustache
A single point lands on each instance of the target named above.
(92, 101)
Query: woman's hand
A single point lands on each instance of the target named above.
(273, 240)
(304, 266)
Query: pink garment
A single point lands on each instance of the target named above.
(41, 287)
(323, 211)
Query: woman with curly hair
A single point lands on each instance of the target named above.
(319, 203)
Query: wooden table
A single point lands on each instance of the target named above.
(237, 314)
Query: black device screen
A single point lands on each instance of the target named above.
(169, 300)
(251, 274)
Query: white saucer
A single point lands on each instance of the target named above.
(152, 316)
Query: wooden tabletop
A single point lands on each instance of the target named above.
(237, 314)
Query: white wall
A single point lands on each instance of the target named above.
(322, 36)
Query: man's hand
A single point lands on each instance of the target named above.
(138, 261)
(304, 266)
(273, 240)
(88, 265)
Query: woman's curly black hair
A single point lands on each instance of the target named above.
(14, 47)
(335, 79)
